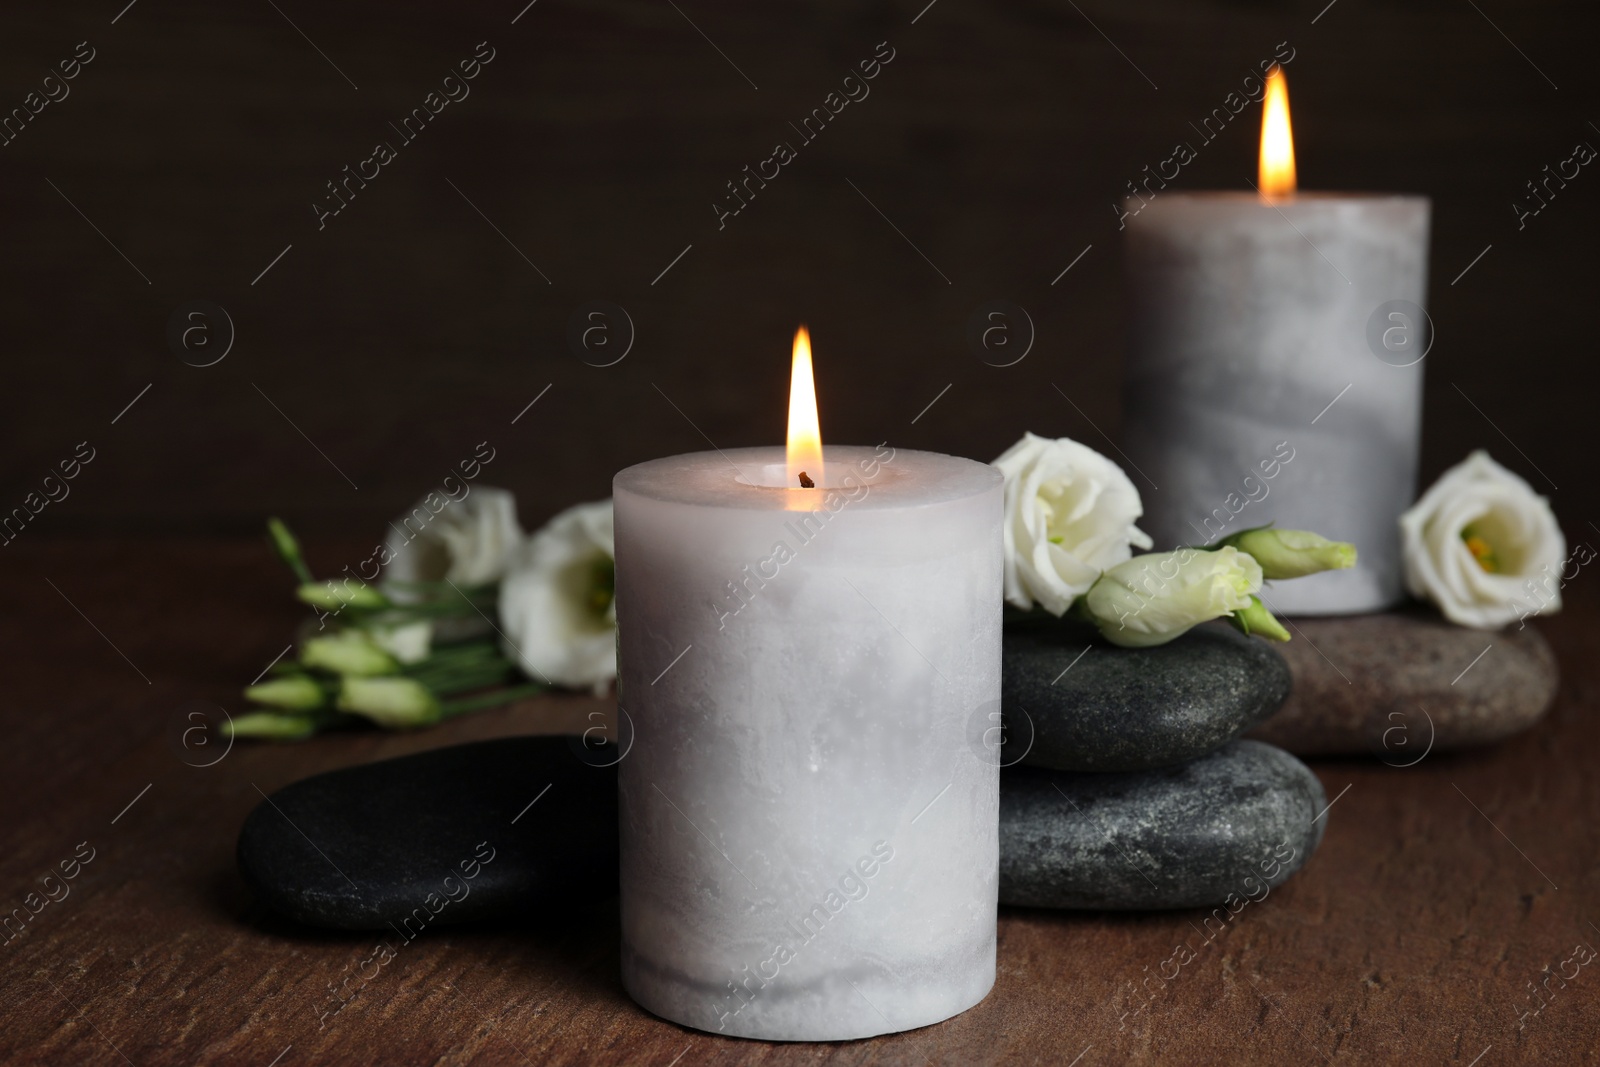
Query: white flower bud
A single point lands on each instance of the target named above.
(1292, 553)
(294, 692)
(1151, 599)
(396, 703)
(347, 652)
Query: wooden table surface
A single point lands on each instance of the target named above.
(1440, 894)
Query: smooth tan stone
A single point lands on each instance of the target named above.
(1392, 684)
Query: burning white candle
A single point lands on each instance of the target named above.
(809, 833)
(1275, 370)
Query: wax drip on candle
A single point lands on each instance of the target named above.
(1276, 169)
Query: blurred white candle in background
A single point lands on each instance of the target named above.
(1275, 369)
(809, 840)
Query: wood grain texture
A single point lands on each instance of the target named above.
(1438, 894)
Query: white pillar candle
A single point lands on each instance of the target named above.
(1275, 369)
(1249, 320)
(809, 838)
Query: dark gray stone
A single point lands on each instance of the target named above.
(429, 839)
(1221, 830)
(1125, 709)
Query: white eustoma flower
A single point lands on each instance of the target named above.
(407, 642)
(468, 541)
(1149, 600)
(556, 602)
(1483, 546)
(1069, 517)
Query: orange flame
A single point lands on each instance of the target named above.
(1277, 140)
(805, 432)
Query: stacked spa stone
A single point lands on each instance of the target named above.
(1124, 785)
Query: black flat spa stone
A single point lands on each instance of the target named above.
(470, 832)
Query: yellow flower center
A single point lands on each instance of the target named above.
(1481, 550)
(603, 585)
(1047, 509)
(1055, 503)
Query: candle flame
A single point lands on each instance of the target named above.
(805, 432)
(1277, 139)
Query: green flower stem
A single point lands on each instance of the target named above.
(270, 726)
(456, 661)
(288, 549)
(454, 654)
(280, 726)
(451, 665)
(426, 609)
(338, 597)
(469, 656)
(496, 699)
(443, 588)
(466, 650)
(462, 681)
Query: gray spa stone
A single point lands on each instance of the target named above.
(1122, 709)
(1227, 827)
(447, 836)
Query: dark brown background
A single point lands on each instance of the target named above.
(408, 331)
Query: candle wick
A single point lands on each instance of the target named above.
(806, 482)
